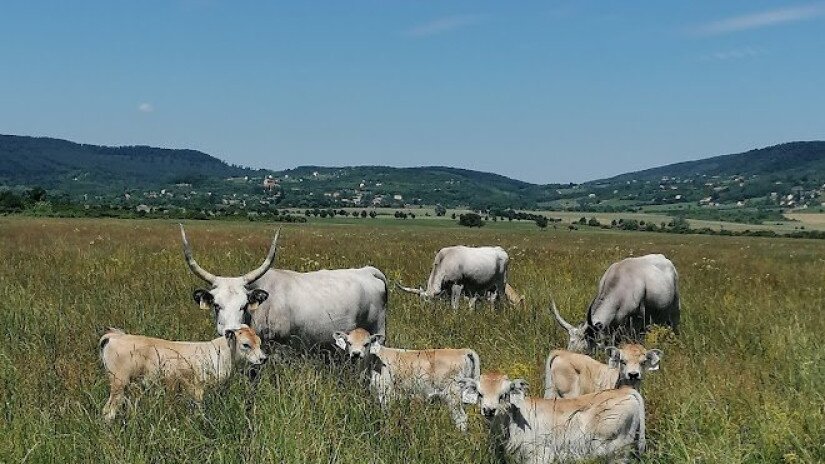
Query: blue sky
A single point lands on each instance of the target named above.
(540, 91)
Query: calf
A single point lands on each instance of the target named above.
(568, 374)
(192, 365)
(423, 374)
(607, 424)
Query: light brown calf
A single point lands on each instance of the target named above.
(515, 298)
(537, 430)
(568, 374)
(417, 373)
(192, 365)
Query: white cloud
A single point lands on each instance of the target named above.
(734, 54)
(146, 107)
(442, 25)
(762, 19)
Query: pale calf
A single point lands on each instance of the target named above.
(425, 374)
(608, 424)
(568, 374)
(191, 365)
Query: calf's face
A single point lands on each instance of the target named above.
(230, 300)
(358, 343)
(633, 360)
(494, 393)
(245, 345)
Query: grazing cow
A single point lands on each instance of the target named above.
(192, 365)
(471, 271)
(608, 424)
(302, 309)
(633, 293)
(394, 372)
(568, 374)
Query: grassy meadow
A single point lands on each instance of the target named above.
(743, 382)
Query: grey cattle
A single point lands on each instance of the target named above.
(471, 271)
(301, 309)
(633, 293)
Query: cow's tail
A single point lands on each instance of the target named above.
(639, 422)
(104, 341)
(473, 366)
(380, 276)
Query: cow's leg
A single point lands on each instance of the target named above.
(458, 414)
(456, 295)
(117, 393)
(472, 302)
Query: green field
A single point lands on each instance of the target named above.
(743, 382)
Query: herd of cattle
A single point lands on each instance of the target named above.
(589, 409)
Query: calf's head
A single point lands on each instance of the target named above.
(245, 345)
(229, 298)
(632, 361)
(494, 393)
(358, 343)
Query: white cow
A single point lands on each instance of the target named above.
(393, 372)
(568, 374)
(471, 271)
(192, 365)
(535, 430)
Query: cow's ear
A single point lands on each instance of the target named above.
(614, 357)
(203, 298)
(340, 340)
(518, 390)
(469, 390)
(255, 298)
(653, 359)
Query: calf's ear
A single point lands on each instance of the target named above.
(518, 390)
(229, 335)
(653, 359)
(614, 357)
(203, 298)
(469, 391)
(340, 340)
(255, 298)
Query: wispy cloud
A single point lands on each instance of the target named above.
(442, 25)
(146, 107)
(761, 19)
(734, 54)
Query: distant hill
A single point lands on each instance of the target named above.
(761, 178)
(793, 158)
(55, 163)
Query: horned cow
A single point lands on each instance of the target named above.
(394, 372)
(192, 365)
(302, 309)
(471, 271)
(632, 294)
(610, 423)
(568, 374)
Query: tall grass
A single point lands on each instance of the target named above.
(743, 382)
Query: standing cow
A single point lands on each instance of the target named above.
(301, 309)
(633, 294)
(471, 271)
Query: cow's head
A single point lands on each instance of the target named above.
(632, 361)
(494, 393)
(581, 338)
(245, 345)
(359, 343)
(230, 299)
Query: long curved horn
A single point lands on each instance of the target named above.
(566, 325)
(193, 265)
(250, 277)
(417, 291)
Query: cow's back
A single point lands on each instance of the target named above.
(308, 307)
